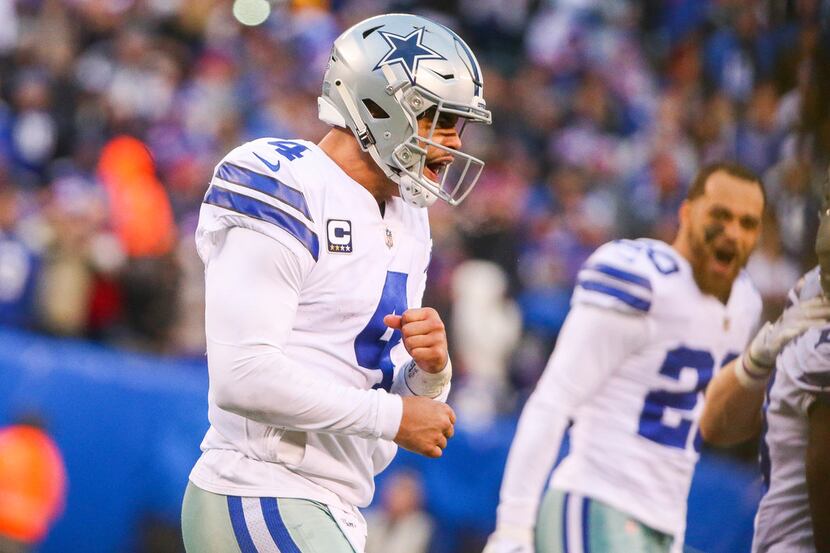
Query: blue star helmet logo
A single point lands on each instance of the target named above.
(407, 51)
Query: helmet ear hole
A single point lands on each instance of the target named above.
(374, 109)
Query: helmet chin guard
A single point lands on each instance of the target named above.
(415, 194)
(383, 75)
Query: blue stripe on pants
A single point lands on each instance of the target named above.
(273, 520)
(240, 529)
(586, 539)
(565, 523)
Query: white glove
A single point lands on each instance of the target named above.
(510, 540)
(758, 360)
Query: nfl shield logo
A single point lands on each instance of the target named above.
(389, 242)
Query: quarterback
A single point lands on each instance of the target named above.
(321, 358)
(794, 414)
(650, 323)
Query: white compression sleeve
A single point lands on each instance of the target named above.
(578, 367)
(252, 292)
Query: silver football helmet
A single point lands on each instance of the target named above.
(387, 72)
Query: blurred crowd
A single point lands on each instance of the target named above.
(113, 114)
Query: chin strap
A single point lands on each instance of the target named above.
(362, 133)
(364, 136)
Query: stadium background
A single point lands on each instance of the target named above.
(114, 112)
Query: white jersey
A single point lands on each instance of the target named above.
(636, 352)
(635, 442)
(802, 376)
(310, 415)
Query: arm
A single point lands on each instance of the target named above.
(252, 292)
(733, 399)
(576, 370)
(818, 473)
(733, 411)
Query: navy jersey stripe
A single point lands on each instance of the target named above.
(276, 526)
(622, 295)
(265, 184)
(621, 275)
(266, 212)
(240, 528)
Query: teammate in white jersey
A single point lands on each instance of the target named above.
(794, 515)
(319, 352)
(649, 325)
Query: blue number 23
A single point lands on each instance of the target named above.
(651, 424)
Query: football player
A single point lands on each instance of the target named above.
(650, 324)
(794, 515)
(319, 353)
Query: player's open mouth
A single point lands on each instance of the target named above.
(724, 257)
(434, 169)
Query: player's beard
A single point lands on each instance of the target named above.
(709, 280)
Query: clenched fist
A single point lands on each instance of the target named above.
(426, 425)
(423, 337)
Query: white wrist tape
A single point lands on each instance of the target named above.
(423, 383)
(751, 375)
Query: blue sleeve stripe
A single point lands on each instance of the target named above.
(265, 184)
(621, 275)
(622, 295)
(257, 209)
